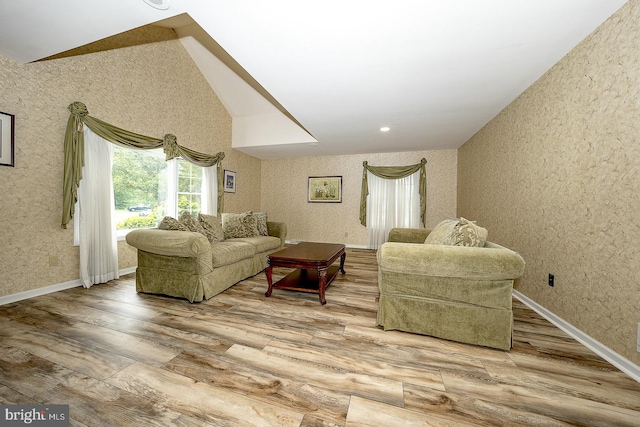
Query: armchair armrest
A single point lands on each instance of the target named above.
(277, 229)
(492, 262)
(170, 242)
(408, 235)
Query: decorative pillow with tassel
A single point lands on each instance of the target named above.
(467, 233)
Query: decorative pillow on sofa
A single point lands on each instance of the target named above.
(191, 223)
(261, 222)
(170, 223)
(467, 233)
(442, 234)
(236, 225)
(212, 227)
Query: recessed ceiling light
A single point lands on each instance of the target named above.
(158, 4)
(385, 129)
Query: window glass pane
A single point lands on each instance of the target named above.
(143, 181)
(188, 203)
(137, 187)
(189, 188)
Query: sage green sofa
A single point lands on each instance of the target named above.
(184, 264)
(453, 292)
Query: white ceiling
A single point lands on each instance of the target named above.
(433, 71)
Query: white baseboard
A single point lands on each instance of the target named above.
(129, 270)
(357, 246)
(8, 299)
(620, 362)
(295, 242)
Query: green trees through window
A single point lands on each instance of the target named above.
(146, 187)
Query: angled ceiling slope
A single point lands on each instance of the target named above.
(261, 126)
(433, 71)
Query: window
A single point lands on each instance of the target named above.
(189, 188)
(391, 203)
(147, 188)
(137, 190)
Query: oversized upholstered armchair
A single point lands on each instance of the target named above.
(458, 293)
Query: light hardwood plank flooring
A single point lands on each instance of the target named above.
(119, 358)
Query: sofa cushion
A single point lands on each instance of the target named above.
(236, 225)
(261, 223)
(170, 223)
(442, 234)
(261, 243)
(212, 227)
(229, 252)
(191, 223)
(467, 233)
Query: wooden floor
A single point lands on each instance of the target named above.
(122, 359)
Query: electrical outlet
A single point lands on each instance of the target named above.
(551, 280)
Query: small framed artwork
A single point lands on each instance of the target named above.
(229, 181)
(7, 149)
(325, 189)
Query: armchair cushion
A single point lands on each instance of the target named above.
(442, 234)
(467, 233)
(457, 232)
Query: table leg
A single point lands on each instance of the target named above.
(268, 271)
(322, 276)
(342, 258)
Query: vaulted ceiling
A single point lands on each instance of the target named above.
(307, 78)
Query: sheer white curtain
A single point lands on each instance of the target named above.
(97, 231)
(210, 190)
(391, 203)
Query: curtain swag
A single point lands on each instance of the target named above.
(74, 153)
(394, 172)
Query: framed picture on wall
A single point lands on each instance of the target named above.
(229, 181)
(7, 149)
(325, 189)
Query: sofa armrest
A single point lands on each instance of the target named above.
(408, 235)
(170, 242)
(492, 262)
(277, 229)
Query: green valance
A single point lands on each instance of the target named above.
(74, 153)
(394, 172)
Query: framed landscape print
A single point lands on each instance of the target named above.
(7, 149)
(229, 181)
(325, 189)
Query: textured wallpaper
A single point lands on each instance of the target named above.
(556, 176)
(149, 88)
(284, 193)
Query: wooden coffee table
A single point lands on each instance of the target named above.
(313, 263)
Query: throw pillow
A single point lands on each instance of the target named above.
(467, 233)
(191, 223)
(261, 222)
(442, 234)
(235, 225)
(170, 223)
(212, 227)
